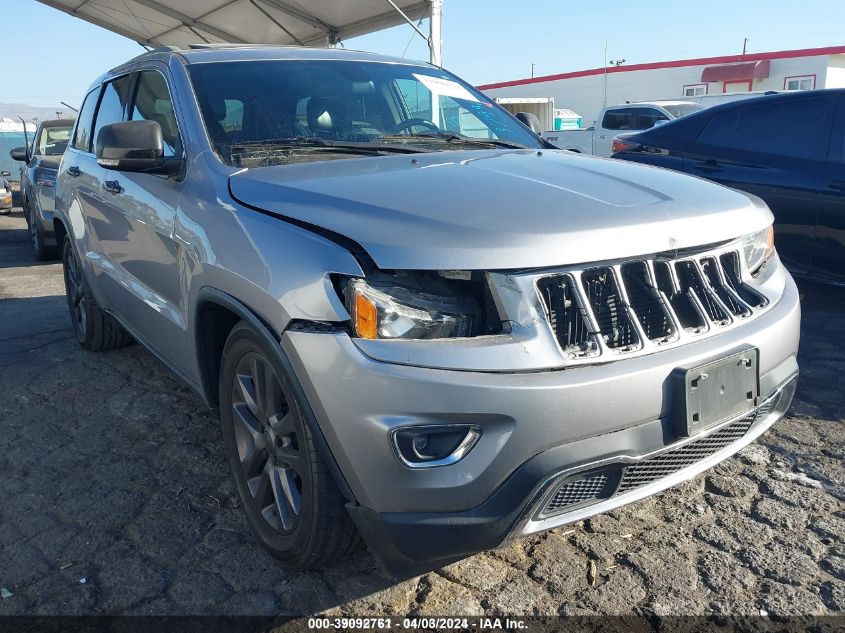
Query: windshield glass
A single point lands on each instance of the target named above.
(314, 107)
(53, 140)
(682, 109)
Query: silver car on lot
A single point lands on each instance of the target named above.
(38, 182)
(421, 326)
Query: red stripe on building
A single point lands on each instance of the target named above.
(700, 61)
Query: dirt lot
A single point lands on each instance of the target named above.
(116, 499)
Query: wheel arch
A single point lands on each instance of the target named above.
(216, 314)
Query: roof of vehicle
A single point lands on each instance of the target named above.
(204, 53)
(58, 122)
(665, 102)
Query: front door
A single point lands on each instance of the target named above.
(145, 256)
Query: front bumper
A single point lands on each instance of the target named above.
(409, 543)
(536, 426)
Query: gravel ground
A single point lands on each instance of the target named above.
(116, 499)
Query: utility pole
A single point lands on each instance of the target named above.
(604, 62)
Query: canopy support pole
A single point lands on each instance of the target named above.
(435, 42)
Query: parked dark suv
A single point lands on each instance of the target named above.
(785, 148)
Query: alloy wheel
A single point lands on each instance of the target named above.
(74, 284)
(268, 445)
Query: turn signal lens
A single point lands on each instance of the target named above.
(365, 316)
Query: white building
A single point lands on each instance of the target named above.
(588, 91)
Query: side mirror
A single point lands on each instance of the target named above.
(19, 153)
(136, 146)
(531, 121)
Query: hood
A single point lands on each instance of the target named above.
(501, 209)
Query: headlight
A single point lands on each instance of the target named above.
(757, 248)
(414, 306)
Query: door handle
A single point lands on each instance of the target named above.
(602, 135)
(112, 186)
(74, 171)
(709, 166)
(838, 185)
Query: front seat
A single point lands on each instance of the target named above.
(328, 117)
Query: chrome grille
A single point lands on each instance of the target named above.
(673, 460)
(573, 492)
(646, 302)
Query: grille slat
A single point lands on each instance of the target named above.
(565, 315)
(610, 312)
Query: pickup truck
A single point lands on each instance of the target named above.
(615, 121)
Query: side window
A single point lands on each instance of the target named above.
(112, 105)
(720, 129)
(153, 103)
(620, 119)
(82, 136)
(647, 117)
(784, 129)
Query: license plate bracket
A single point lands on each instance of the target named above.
(706, 394)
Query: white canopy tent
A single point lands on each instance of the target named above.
(180, 23)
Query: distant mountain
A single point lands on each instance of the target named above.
(29, 113)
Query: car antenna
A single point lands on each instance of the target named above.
(69, 106)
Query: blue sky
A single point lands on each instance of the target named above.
(484, 41)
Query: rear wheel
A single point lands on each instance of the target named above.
(40, 251)
(287, 493)
(94, 329)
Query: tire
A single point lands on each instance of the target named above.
(288, 495)
(94, 329)
(40, 251)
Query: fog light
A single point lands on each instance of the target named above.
(434, 445)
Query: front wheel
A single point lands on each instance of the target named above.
(94, 329)
(289, 497)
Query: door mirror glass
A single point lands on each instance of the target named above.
(136, 146)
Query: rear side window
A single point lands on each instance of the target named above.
(719, 131)
(621, 119)
(783, 129)
(112, 104)
(647, 117)
(82, 137)
(153, 103)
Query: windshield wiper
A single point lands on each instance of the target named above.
(313, 142)
(454, 137)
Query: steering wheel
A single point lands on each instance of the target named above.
(409, 123)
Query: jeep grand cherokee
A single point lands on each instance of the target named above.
(419, 324)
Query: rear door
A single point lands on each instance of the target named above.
(829, 252)
(775, 150)
(614, 121)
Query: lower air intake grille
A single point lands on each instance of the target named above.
(573, 492)
(671, 461)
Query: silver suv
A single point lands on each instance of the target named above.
(419, 324)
